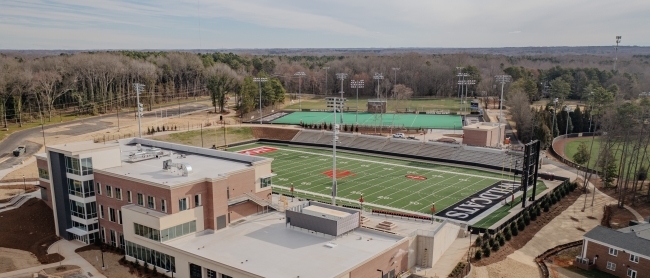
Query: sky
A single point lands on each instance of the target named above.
(218, 24)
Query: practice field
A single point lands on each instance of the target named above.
(384, 182)
(571, 148)
(450, 104)
(367, 119)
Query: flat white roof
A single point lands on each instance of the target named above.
(328, 211)
(263, 245)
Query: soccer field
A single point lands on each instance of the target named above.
(384, 182)
(368, 119)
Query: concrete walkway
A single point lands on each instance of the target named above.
(66, 249)
(457, 252)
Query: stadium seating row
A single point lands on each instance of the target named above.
(446, 151)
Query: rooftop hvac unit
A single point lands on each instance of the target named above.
(184, 167)
(142, 154)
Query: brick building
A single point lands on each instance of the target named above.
(623, 253)
(483, 134)
(198, 212)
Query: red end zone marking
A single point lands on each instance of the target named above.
(339, 173)
(258, 151)
(415, 177)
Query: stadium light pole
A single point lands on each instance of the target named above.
(591, 110)
(341, 76)
(618, 40)
(259, 81)
(139, 87)
(554, 114)
(460, 71)
(326, 68)
(356, 84)
(462, 83)
(300, 75)
(335, 132)
(379, 76)
(395, 72)
(566, 130)
(503, 79)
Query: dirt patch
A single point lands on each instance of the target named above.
(14, 259)
(7, 194)
(30, 171)
(566, 257)
(60, 269)
(527, 234)
(30, 228)
(620, 217)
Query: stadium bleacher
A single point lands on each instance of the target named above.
(444, 151)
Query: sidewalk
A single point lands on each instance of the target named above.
(66, 249)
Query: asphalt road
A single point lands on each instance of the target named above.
(87, 125)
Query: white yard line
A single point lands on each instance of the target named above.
(398, 165)
(416, 116)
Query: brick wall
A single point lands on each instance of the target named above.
(622, 261)
(386, 262)
(242, 210)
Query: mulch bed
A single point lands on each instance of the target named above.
(30, 228)
(527, 234)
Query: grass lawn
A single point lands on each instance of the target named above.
(503, 211)
(451, 104)
(382, 181)
(571, 149)
(367, 119)
(208, 137)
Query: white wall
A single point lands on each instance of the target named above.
(443, 239)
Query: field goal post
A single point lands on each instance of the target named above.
(529, 170)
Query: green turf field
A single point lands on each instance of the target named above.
(382, 181)
(503, 211)
(367, 119)
(451, 104)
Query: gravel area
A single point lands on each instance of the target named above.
(111, 260)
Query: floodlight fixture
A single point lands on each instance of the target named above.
(259, 81)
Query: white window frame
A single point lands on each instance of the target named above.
(153, 202)
(101, 211)
(138, 199)
(613, 252)
(632, 273)
(111, 217)
(103, 235)
(634, 258)
(109, 194)
(129, 196)
(199, 203)
(118, 189)
(611, 266)
(163, 205)
(119, 217)
(179, 204)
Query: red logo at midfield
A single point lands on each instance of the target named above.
(415, 177)
(258, 151)
(339, 173)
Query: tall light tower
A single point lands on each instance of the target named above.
(259, 81)
(139, 87)
(395, 72)
(300, 75)
(464, 83)
(356, 84)
(459, 74)
(378, 76)
(567, 110)
(335, 132)
(503, 79)
(554, 113)
(618, 40)
(341, 76)
(326, 68)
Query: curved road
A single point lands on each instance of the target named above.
(16, 139)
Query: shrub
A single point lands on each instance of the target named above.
(493, 242)
(553, 200)
(520, 224)
(533, 214)
(514, 230)
(495, 247)
(502, 241)
(526, 218)
(478, 255)
(478, 241)
(158, 129)
(486, 236)
(146, 267)
(154, 272)
(538, 211)
(486, 252)
(507, 234)
(546, 207)
(175, 127)
(357, 130)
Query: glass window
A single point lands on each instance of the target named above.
(265, 182)
(86, 166)
(72, 165)
(111, 214)
(211, 273)
(113, 238)
(179, 230)
(225, 276)
(118, 193)
(91, 210)
(634, 258)
(151, 202)
(78, 225)
(146, 232)
(182, 204)
(631, 273)
(153, 257)
(75, 188)
(109, 192)
(82, 210)
(119, 217)
(101, 211)
(99, 189)
(611, 266)
(89, 188)
(163, 206)
(193, 226)
(43, 173)
(613, 252)
(197, 200)
(128, 197)
(140, 199)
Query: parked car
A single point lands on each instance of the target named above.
(411, 138)
(19, 151)
(398, 135)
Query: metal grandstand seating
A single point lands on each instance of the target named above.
(308, 136)
(344, 139)
(369, 142)
(402, 146)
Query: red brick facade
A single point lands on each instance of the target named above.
(42, 163)
(622, 261)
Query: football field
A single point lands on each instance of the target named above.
(384, 182)
(370, 119)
